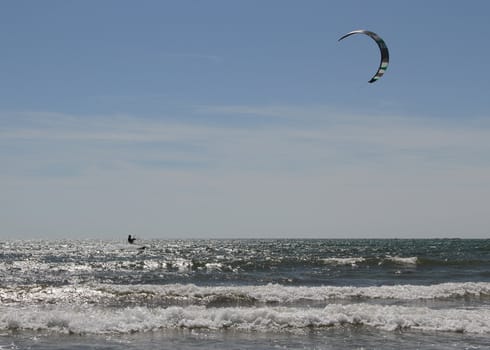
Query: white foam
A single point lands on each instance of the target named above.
(403, 261)
(262, 294)
(183, 265)
(343, 261)
(214, 266)
(95, 320)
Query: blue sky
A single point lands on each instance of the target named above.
(204, 119)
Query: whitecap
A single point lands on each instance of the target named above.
(343, 261)
(96, 320)
(258, 295)
(413, 260)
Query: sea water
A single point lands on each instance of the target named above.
(245, 294)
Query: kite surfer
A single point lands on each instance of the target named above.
(131, 239)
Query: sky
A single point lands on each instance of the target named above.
(243, 119)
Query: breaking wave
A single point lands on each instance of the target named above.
(218, 296)
(103, 309)
(95, 320)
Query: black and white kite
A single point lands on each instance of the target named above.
(385, 57)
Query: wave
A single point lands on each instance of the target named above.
(225, 296)
(413, 260)
(343, 261)
(96, 320)
(274, 268)
(355, 261)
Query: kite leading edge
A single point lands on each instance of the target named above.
(385, 57)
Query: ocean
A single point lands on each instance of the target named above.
(245, 294)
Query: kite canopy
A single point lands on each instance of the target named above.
(385, 57)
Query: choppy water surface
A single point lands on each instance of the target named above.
(252, 293)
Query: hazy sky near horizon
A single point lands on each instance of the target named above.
(223, 119)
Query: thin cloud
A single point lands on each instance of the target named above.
(328, 141)
(398, 176)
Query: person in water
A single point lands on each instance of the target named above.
(131, 239)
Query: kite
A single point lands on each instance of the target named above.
(385, 57)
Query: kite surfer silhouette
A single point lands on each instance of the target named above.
(131, 239)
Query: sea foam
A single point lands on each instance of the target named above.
(271, 294)
(96, 320)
